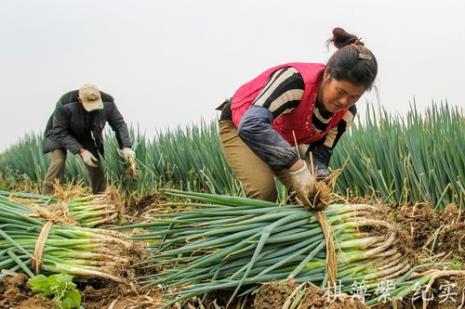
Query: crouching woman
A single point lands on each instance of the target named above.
(305, 104)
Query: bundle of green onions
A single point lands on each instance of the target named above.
(29, 197)
(74, 206)
(81, 251)
(235, 243)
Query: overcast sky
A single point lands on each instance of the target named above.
(169, 63)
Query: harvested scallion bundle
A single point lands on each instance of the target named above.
(27, 242)
(73, 206)
(235, 243)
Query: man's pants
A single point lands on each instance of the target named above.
(56, 171)
(256, 177)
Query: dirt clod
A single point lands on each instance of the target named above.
(121, 296)
(15, 293)
(275, 295)
(420, 221)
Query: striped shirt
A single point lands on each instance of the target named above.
(284, 91)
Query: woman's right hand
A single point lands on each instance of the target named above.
(297, 165)
(302, 182)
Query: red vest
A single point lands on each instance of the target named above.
(299, 120)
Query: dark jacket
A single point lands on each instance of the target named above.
(71, 127)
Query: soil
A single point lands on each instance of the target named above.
(275, 295)
(451, 237)
(420, 221)
(406, 244)
(449, 293)
(147, 201)
(315, 298)
(138, 211)
(120, 296)
(123, 296)
(433, 232)
(15, 293)
(219, 299)
(36, 302)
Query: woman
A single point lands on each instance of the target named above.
(305, 104)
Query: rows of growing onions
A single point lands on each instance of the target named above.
(417, 158)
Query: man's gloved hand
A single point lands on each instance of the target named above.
(303, 184)
(88, 158)
(128, 153)
(130, 157)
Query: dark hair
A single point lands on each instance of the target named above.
(352, 62)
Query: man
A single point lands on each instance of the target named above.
(76, 126)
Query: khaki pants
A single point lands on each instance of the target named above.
(256, 177)
(56, 171)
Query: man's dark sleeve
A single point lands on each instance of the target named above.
(256, 130)
(61, 124)
(117, 123)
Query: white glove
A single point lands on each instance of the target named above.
(88, 158)
(303, 184)
(128, 153)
